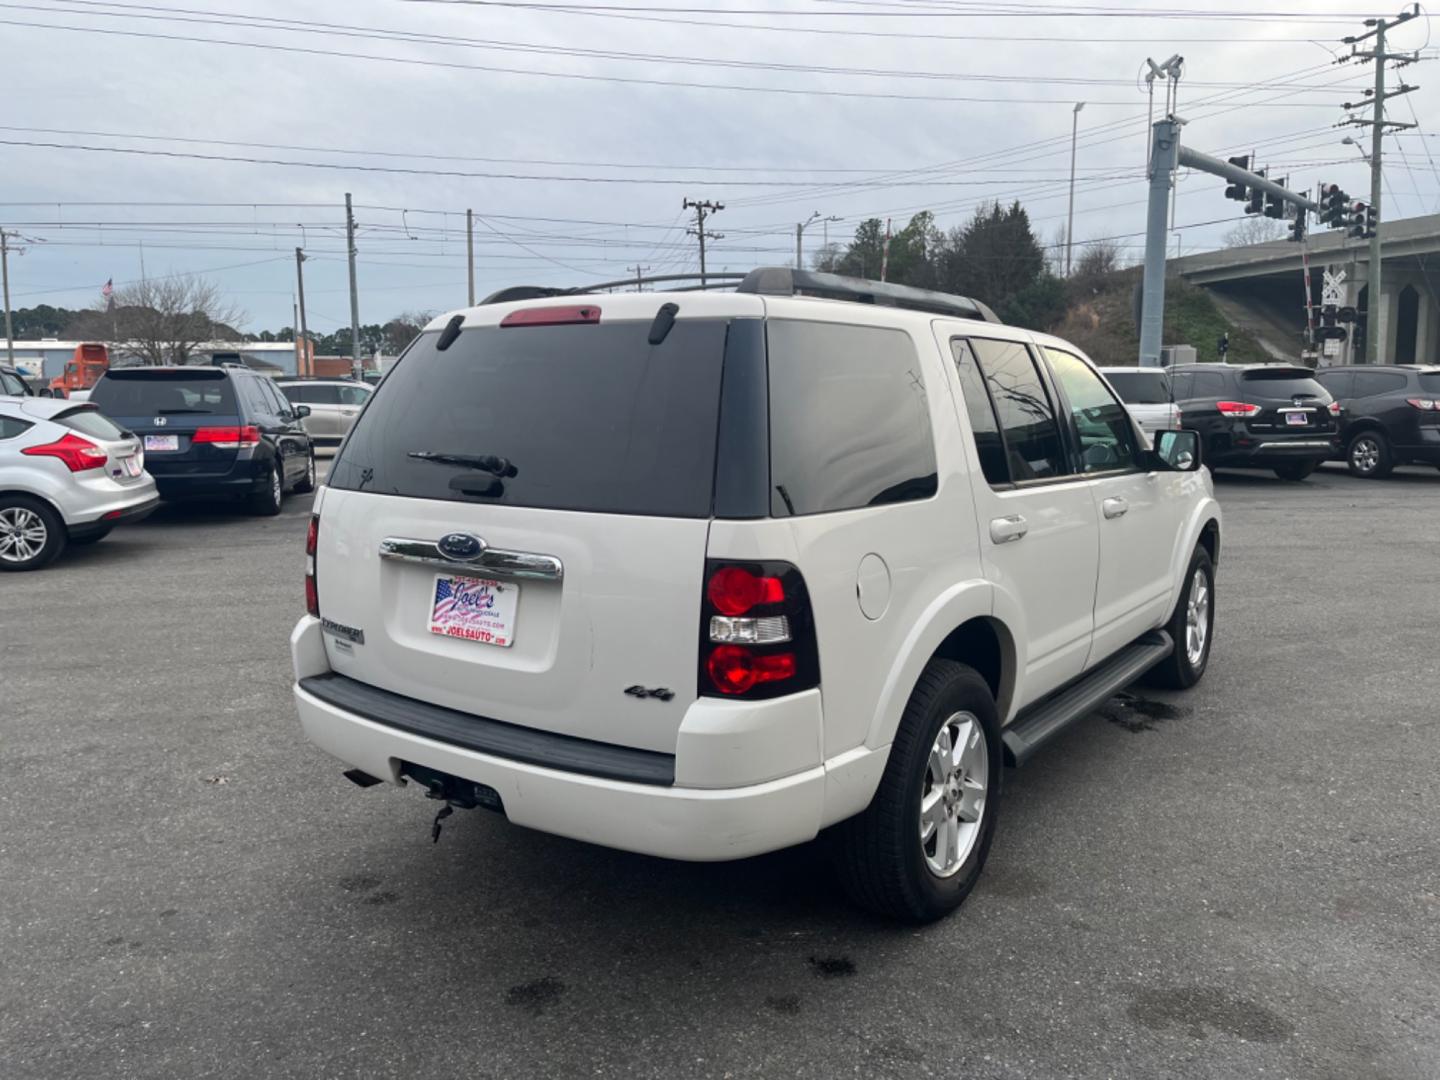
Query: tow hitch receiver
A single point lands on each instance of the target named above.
(453, 792)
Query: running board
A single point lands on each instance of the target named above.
(1041, 722)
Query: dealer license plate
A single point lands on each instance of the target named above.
(1296, 419)
(162, 442)
(476, 609)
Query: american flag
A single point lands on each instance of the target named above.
(444, 597)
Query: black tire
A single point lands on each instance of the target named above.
(90, 538)
(307, 483)
(1296, 470)
(40, 524)
(1177, 671)
(879, 854)
(267, 503)
(1368, 455)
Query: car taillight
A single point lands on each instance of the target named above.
(79, 455)
(228, 438)
(312, 591)
(1236, 408)
(1428, 404)
(1334, 408)
(757, 633)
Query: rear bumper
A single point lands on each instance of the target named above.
(128, 515)
(1265, 451)
(703, 816)
(246, 477)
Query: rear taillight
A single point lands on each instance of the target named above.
(228, 438)
(79, 455)
(1427, 404)
(1236, 408)
(757, 633)
(312, 591)
(1334, 408)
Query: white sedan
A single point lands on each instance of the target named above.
(68, 475)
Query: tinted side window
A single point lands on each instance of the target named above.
(296, 392)
(1210, 384)
(1339, 383)
(278, 404)
(1033, 448)
(849, 418)
(1182, 384)
(988, 445)
(10, 427)
(352, 395)
(1106, 433)
(1370, 383)
(323, 394)
(11, 384)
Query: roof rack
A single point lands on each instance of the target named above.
(783, 281)
(779, 281)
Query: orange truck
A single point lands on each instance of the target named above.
(82, 370)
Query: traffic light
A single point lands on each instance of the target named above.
(1359, 213)
(1274, 204)
(1332, 206)
(1297, 227)
(1237, 190)
(1256, 202)
(1371, 225)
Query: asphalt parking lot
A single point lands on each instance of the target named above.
(1240, 881)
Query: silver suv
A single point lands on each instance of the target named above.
(334, 405)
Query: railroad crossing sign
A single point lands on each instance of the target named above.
(1333, 290)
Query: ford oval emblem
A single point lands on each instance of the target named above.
(463, 546)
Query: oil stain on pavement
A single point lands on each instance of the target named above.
(1195, 1009)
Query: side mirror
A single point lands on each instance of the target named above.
(302, 411)
(1178, 451)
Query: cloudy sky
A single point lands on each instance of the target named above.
(216, 138)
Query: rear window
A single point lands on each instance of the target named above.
(155, 393)
(590, 417)
(1282, 382)
(1140, 387)
(1430, 383)
(849, 418)
(91, 422)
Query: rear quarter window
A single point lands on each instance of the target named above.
(1430, 383)
(849, 418)
(11, 427)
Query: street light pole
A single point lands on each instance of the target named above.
(1070, 222)
(799, 236)
(304, 330)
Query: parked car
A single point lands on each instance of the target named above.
(1146, 393)
(590, 561)
(68, 475)
(213, 432)
(13, 384)
(333, 404)
(1258, 416)
(1391, 415)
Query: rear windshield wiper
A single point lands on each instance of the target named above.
(497, 466)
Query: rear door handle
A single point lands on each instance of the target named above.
(1006, 530)
(1115, 507)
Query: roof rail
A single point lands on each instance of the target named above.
(784, 281)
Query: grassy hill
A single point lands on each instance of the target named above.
(1103, 322)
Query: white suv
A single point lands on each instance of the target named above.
(700, 575)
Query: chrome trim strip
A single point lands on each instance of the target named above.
(1298, 444)
(514, 564)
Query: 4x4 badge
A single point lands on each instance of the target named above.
(660, 693)
(463, 546)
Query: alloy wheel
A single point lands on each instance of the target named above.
(953, 795)
(1365, 454)
(1197, 618)
(22, 534)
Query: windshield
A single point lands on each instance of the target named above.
(1140, 387)
(587, 417)
(155, 393)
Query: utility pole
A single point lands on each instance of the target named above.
(1377, 330)
(5, 276)
(303, 364)
(639, 271)
(701, 209)
(355, 366)
(1070, 220)
(800, 227)
(470, 251)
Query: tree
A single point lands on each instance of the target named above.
(1098, 260)
(163, 320)
(1256, 230)
(401, 330)
(41, 321)
(993, 257)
